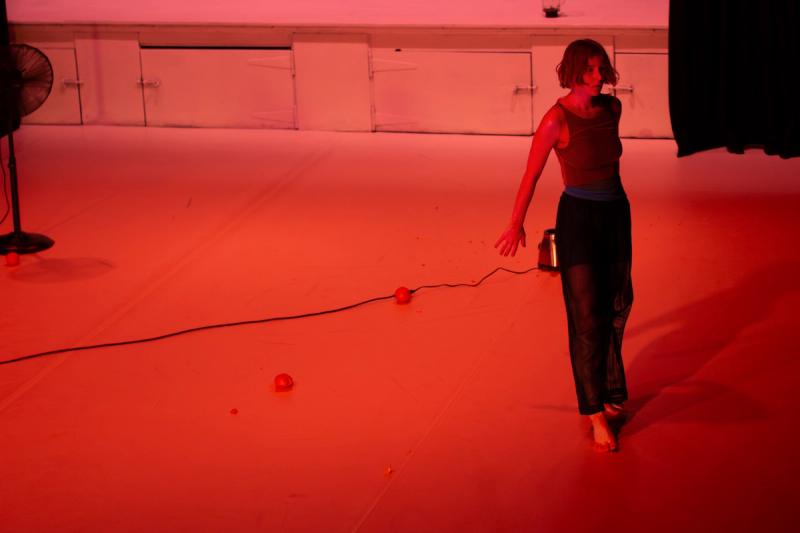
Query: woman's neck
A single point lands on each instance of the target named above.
(580, 100)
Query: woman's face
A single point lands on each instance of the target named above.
(592, 78)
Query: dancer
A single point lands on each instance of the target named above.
(593, 230)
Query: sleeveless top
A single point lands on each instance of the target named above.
(594, 147)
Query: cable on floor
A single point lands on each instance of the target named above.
(248, 322)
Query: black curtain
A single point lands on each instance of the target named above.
(733, 71)
(9, 121)
(3, 24)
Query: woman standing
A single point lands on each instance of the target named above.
(593, 229)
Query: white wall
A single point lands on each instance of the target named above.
(578, 13)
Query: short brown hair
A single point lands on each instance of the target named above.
(576, 58)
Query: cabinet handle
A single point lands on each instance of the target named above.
(71, 83)
(623, 89)
(149, 83)
(524, 88)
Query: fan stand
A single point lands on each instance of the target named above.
(19, 241)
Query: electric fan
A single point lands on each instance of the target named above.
(26, 78)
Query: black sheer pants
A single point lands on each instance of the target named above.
(594, 254)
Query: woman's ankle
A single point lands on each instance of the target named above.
(597, 417)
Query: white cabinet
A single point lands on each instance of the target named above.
(452, 91)
(63, 105)
(233, 88)
(416, 80)
(643, 91)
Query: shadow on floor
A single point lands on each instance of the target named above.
(664, 374)
(38, 270)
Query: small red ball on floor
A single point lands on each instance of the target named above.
(283, 382)
(12, 259)
(234, 411)
(402, 295)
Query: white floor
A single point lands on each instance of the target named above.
(455, 412)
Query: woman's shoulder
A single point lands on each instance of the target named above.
(552, 122)
(556, 112)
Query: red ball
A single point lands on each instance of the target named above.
(12, 259)
(283, 382)
(402, 295)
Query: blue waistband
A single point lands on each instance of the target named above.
(606, 195)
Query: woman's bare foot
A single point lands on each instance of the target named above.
(604, 440)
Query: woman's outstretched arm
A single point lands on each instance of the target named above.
(545, 138)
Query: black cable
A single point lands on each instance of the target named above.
(246, 322)
(5, 192)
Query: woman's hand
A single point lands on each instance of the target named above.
(510, 239)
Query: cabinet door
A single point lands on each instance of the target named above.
(63, 104)
(644, 94)
(110, 71)
(333, 88)
(452, 92)
(218, 88)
